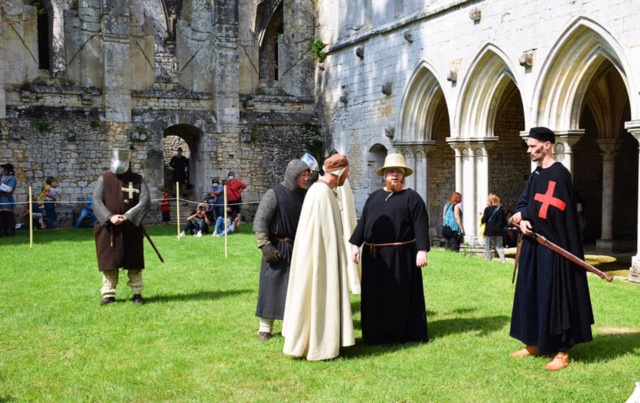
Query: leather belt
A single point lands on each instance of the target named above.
(373, 246)
(285, 239)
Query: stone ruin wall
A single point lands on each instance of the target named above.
(65, 122)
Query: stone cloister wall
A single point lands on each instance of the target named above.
(502, 67)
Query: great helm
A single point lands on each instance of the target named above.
(310, 161)
(120, 161)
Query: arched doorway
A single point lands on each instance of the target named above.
(188, 138)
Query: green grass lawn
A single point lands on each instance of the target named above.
(195, 339)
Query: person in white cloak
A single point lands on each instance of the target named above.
(317, 316)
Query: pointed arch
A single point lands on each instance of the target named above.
(575, 59)
(490, 75)
(422, 99)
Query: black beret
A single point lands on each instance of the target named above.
(542, 134)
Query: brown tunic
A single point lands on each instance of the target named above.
(120, 246)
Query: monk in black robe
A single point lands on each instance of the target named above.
(394, 229)
(121, 201)
(552, 307)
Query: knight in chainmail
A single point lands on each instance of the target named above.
(275, 225)
(121, 200)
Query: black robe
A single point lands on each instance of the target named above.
(552, 306)
(392, 308)
(274, 277)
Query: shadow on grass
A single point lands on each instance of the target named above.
(198, 296)
(607, 347)
(437, 329)
(485, 325)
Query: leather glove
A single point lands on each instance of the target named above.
(270, 253)
(263, 239)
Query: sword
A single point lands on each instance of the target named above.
(146, 234)
(570, 256)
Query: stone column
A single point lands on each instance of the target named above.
(458, 166)
(633, 127)
(415, 154)
(195, 41)
(609, 148)
(3, 97)
(472, 178)
(563, 149)
(295, 64)
(142, 47)
(117, 61)
(20, 38)
(409, 159)
(226, 90)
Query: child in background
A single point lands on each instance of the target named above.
(165, 207)
(51, 196)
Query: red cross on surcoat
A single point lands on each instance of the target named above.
(548, 199)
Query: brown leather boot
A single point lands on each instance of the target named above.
(526, 352)
(559, 361)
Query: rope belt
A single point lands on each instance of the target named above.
(372, 246)
(285, 239)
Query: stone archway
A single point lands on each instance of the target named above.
(489, 92)
(583, 94)
(189, 138)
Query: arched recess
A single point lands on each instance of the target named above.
(421, 133)
(191, 137)
(196, 131)
(421, 101)
(584, 87)
(489, 93)
(605, 161)
(572, 64)
(50, 27)
(489, 76)
(270, 27)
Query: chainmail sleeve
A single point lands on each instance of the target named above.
(266, 210)
(101, 211)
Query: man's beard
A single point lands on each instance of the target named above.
(394, 187)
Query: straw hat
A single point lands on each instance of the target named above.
(394, 161)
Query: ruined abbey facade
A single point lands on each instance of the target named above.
(249, 84)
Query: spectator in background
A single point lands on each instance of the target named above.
(495, 221)
(87, 211)
(233, 223)
(215, 197)
(179, 163)
(165, 207)
(8, 183)
(234, 192)
(197, 223)
(38, 220)
(452, 228)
